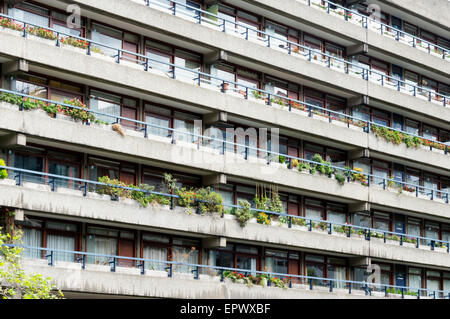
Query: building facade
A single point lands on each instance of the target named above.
(331, 120)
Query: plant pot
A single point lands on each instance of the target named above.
(72, 48)
(42, 40)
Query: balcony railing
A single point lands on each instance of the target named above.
(271, 156)
(215, 83)
(54, 181)
(56, 256)
(377, 26)
(269, 98)
(200, 16)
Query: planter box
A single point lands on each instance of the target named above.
(11, 31)
(42, 40)
(10, 106)
(8, 181)
(37, 186)
(72, 48)
(102, 56)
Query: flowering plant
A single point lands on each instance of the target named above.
(78, 43)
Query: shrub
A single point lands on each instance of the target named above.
(263, 218)
(209, 201)
(110, 189)
(3, 172)
(82, 114)
(243, 213)
(78, 43)
(340, 178)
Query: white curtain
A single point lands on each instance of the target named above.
(29, 17)
(338, 273)
(32, 238)
(61, 243)
(155, 253)
(105, 107)
(185, 255)
(101, 245)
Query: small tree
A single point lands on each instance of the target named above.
(14, 282)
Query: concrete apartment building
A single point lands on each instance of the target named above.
(359, 92)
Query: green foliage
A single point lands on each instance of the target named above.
(282, 159)
(3, 172)
(209, 201)
(82, 114)
(16, 284)
(340, 178)
(263, 218)
(243, 213)
(260, 279)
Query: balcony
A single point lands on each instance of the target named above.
(206, 80)
(77, 198)
(203, 152)
(201, 281)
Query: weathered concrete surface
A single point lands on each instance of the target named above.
(288, 12)
(433, 11)
(69, 277)
(291, 12)
(69, 204)
(95, 139)
(296, 121)
(290, 65)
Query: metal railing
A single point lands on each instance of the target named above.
(311, 109)
(198, 269)
(199, 16)
(397, 34)
(21, 175)
(225, 143)
(201, 79)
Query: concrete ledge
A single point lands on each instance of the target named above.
(289, 65)
(94, 139)
(69, 277)
(100, 209)
(297, 12)
(133, 79)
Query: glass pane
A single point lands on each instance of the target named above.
(61, 243)
(155, 253)
(100, 245)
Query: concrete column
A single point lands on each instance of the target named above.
(13, 140)
(15, 66)
(358, 153)
(362, 48)
(214, 179)
(218, 55)
(359, 100)
(359, 207)
(359, 261)
(214, 242)
(214, 117)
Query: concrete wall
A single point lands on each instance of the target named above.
(70, 204)
(96, 71)
(434, 11)
(128, 282)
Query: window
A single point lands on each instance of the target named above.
(414, 277)
(50, 234)
(108, 241)
(276, 261)
(112, 106)
(111, 39)
(235, 256)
